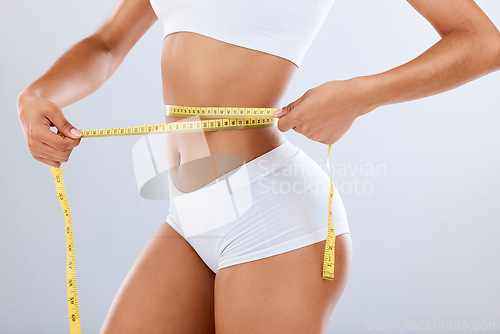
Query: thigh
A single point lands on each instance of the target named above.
(169, 289)
(284, 293)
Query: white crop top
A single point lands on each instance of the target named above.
(285, 28)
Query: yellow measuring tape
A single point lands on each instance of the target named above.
(210, 119)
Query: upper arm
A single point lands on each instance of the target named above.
(127, 22)
(447, 15)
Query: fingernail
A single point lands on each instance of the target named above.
(278, 111)
(76, 132)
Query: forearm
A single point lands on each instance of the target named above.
(77, 73)
(459, 57)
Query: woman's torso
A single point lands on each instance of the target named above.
(202, 71)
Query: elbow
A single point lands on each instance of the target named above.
(489, 44)
(492, 45)
(496, 52)
(101, 45)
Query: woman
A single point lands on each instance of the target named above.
(174, 286)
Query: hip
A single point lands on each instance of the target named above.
(281, 186)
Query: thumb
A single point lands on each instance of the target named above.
(64, 126)
(286, 123)
(285, 110)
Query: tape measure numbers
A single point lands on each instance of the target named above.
(210, 119)
(329, 257)
(73, 310)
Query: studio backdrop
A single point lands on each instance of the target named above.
(419, 179)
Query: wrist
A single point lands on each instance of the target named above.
(28, 92)
(21, 98)
(369, 89)
(26, 96)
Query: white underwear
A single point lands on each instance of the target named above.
(273, 204)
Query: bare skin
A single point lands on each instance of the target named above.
(468, 49)
(169, 288)
(257, 296)
(221, 74)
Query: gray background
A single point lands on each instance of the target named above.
(425, 227)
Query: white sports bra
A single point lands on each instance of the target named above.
(285, 28)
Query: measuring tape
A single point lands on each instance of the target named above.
(329, 257)
(210, 119)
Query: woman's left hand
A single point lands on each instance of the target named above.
(324, 113)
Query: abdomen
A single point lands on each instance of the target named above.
(202, 71)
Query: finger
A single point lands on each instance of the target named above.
(286, 123)
(286, 109)
(48, 161)
(57, 142)
(63, 125)
(45, 151)
(277, 112)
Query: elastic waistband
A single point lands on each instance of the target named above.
(258, 167)
(271, 160)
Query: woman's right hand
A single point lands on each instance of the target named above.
(37, 115)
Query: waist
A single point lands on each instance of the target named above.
(248, 132)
